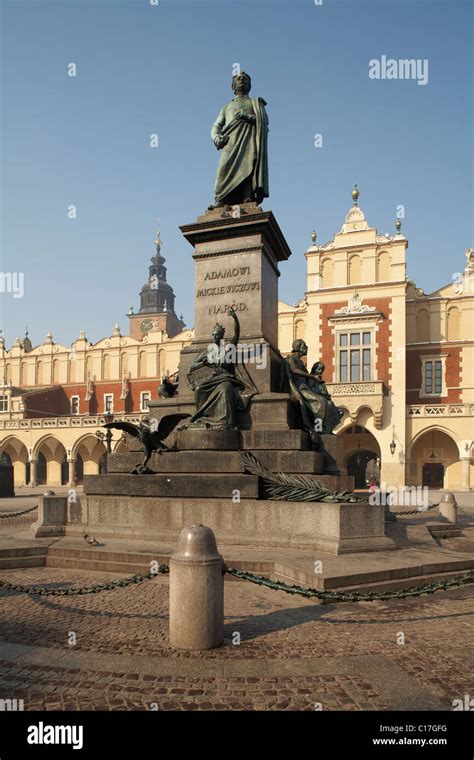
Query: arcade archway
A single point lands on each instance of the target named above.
(50, 462)
(359, 448)
(15, 453)
(434, 460)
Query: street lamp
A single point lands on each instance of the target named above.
(393, 445)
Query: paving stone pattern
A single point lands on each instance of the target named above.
(294, 654)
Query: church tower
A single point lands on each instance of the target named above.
(156, 302)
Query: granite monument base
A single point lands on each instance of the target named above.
(333, 528)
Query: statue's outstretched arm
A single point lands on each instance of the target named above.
(235, 339)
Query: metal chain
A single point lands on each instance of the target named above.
(17, 514)
(460, 510)
(417, 510)
(351, 596)
(96, 589)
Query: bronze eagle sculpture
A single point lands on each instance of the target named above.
(150, 436)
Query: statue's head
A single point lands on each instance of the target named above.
(300, 347)
(318, 368)
(218, 332)
(241, 83)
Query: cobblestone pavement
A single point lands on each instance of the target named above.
(293, 654)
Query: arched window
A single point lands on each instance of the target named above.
(453, 324)
(383, 266)
(355, 270)
(423, 326)
(39, 373)
(326, 273)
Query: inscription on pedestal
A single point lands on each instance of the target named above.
(226, 284)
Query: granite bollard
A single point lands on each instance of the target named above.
(448, 507)
(196, 591)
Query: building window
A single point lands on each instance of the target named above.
(433, 377)
(3, 403)
(145, 397)
(355, 357)
(74, 404)
(108, 403)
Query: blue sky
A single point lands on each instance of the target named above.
(166, 69)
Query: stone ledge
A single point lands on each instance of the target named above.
(334, 528)
(307, 462)
(173, 485)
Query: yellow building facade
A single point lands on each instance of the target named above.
(397, 360)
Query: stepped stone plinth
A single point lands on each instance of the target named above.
(201, 478)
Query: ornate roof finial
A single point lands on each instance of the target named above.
(398, 226)
(355, 195)
(158, 241)
(314, 237)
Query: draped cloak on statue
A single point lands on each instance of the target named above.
(245, 154)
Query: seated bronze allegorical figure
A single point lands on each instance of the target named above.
(221, 389)
(309, 389)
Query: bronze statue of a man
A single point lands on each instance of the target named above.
(240, 132)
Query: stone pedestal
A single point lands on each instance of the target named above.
(198, 439)
(236, 254)
(202, 477)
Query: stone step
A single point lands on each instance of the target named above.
(444, 530)
(386, 576)
(194, 486)
(22, 560)
(103, 555)
(308, 462)
(124, 568)
(199, 486)
(379, 579)
(23, 556)
(23, 551)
